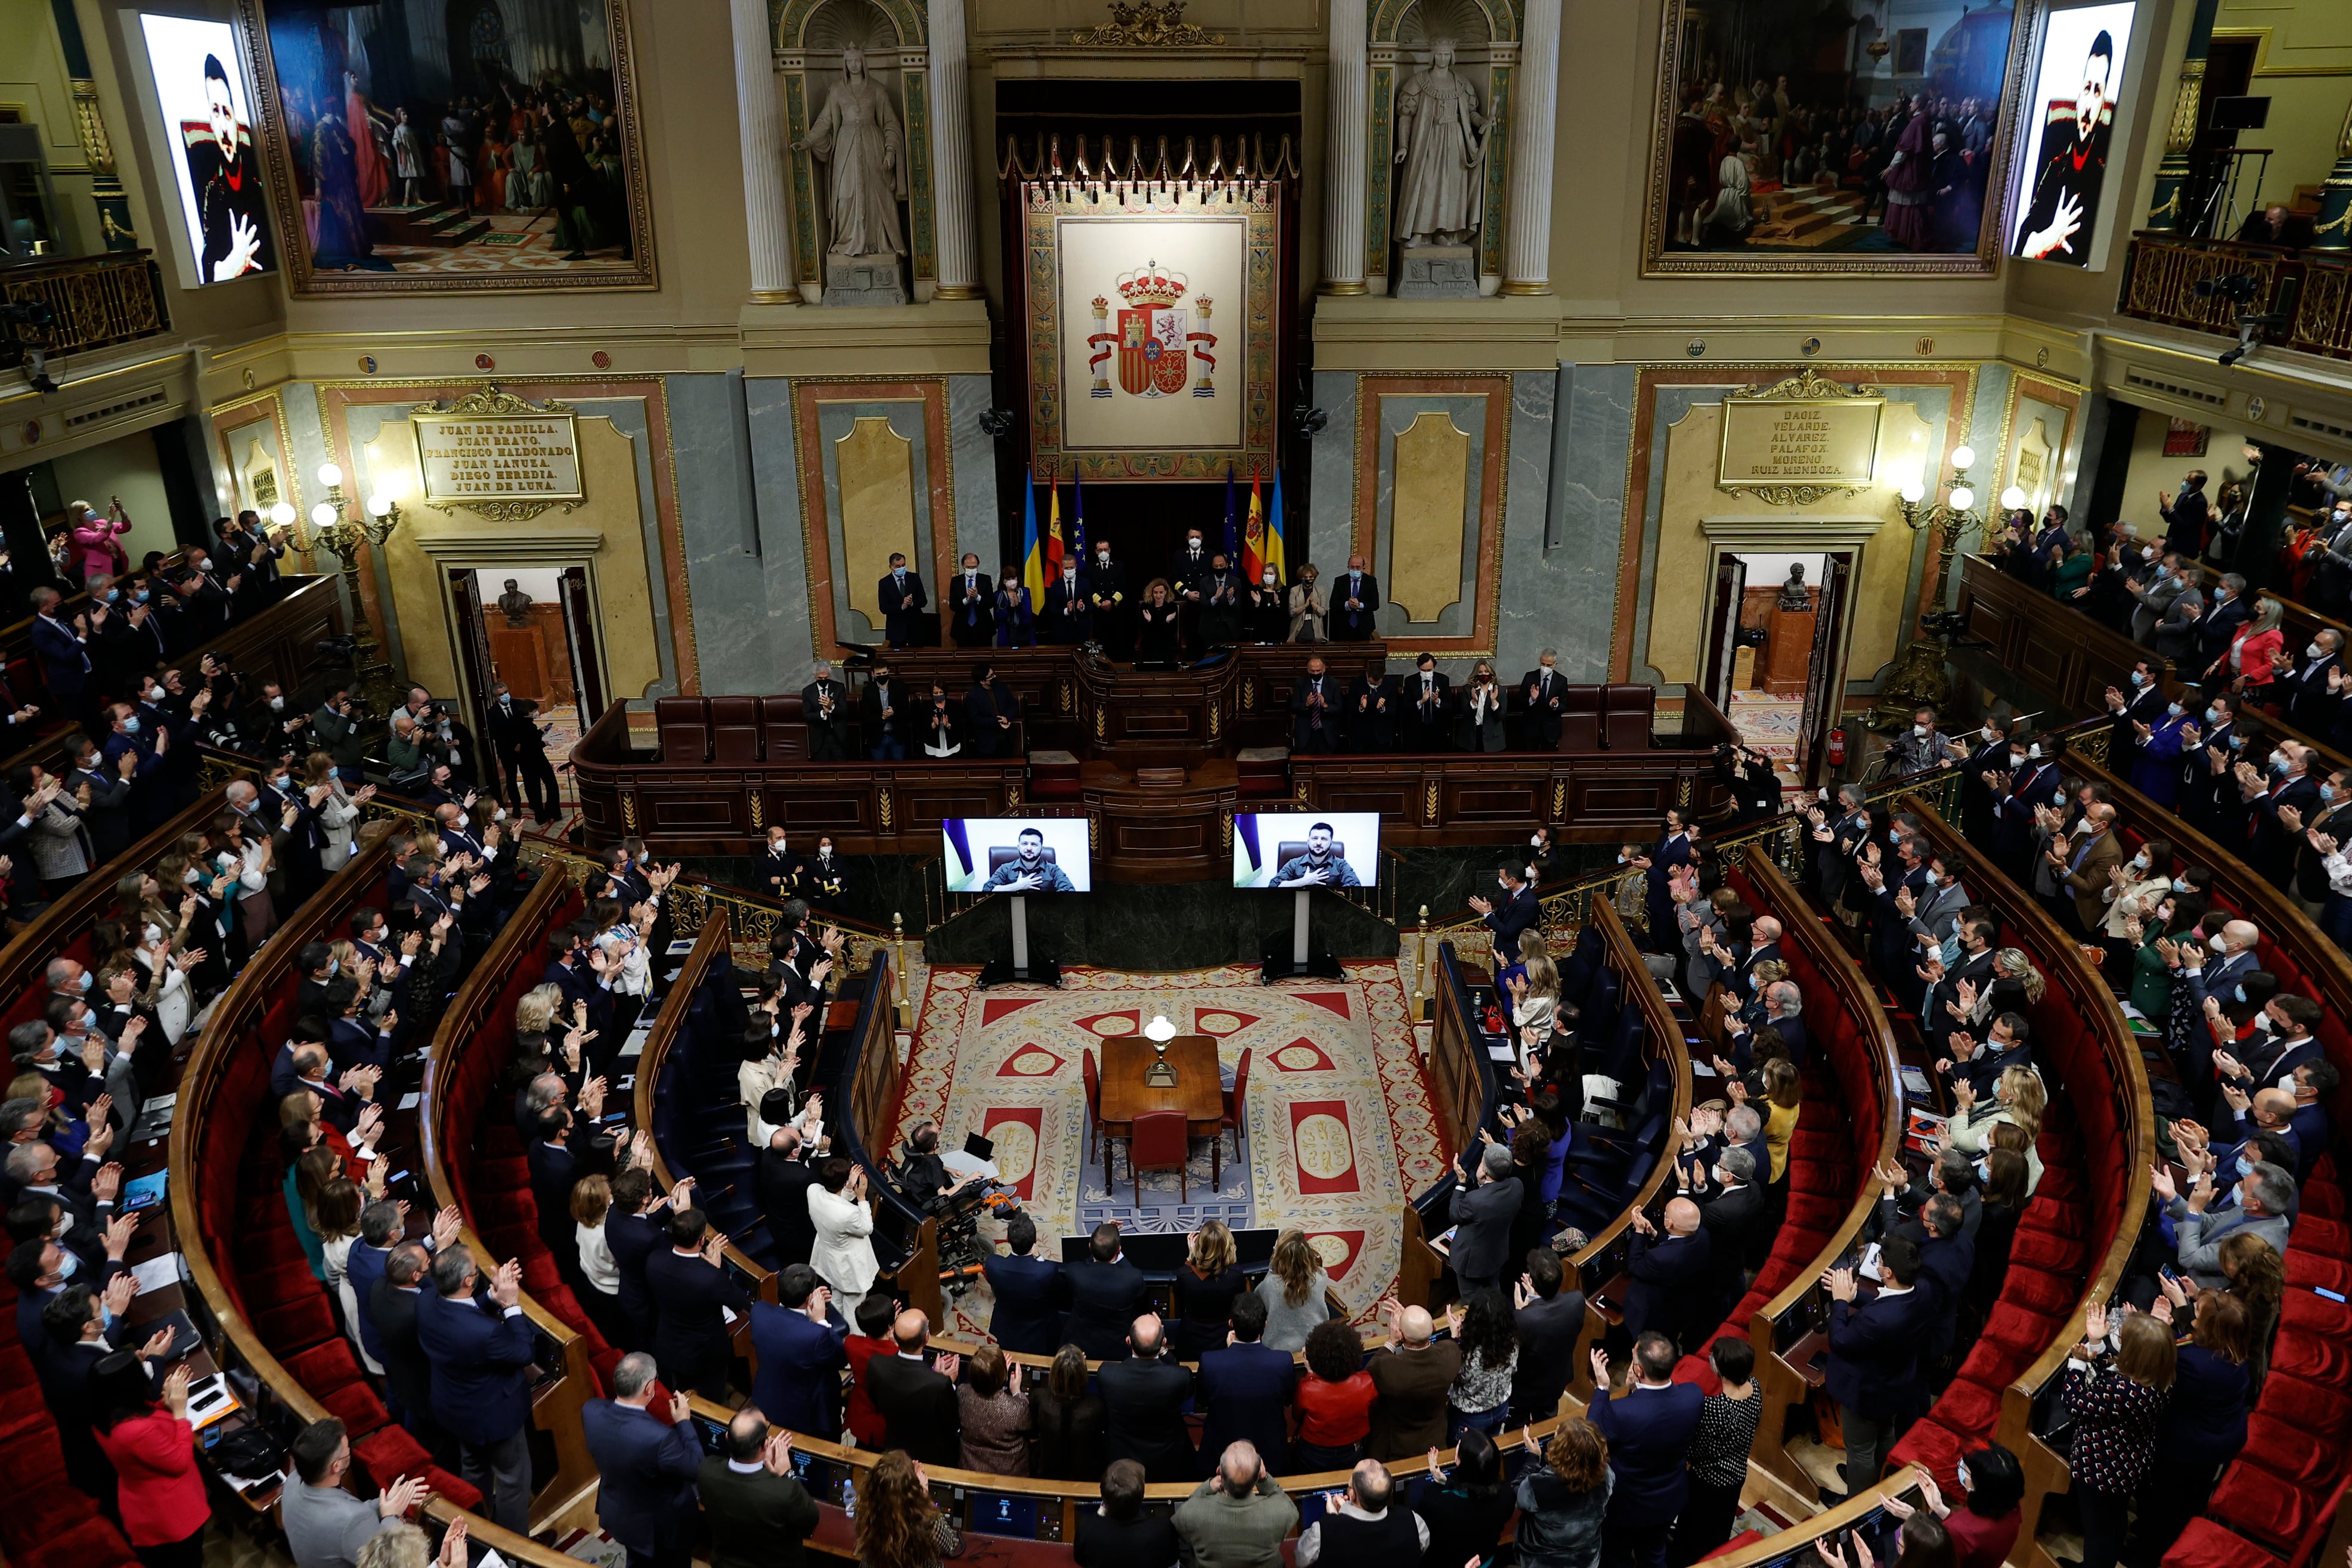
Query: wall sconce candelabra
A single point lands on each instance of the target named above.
(345, 537)
(1917, 678)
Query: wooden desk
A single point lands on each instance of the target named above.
(1199, 1093)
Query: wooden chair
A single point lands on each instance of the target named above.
(1158, 1142)
(1093, 1110)
(1233, 1117)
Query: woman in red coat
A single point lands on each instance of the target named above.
(154, 1451)
(2251, 660)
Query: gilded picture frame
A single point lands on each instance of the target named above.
(349, 221)
(1835, 226)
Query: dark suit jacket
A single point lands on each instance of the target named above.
(1247, 1388)
(1736, 1235)
(481, 1359)
(1143, 1401)
(1350, 625)
(65, 666)
(1507, 921)
(1874, 1352)
(1544, 704)
(1030, 1296)
(919, 1407)
(1649, 1432)
(1068, 616)
(1670, 1276)
(407, 1375)
(756, 1521)
(647, 1471)
(1105, 1300)
(1547, 1334)
(1483, 1243)
(1409, 1416)
(634, 1239)
(690, 1329)
(902, 616)
(1332, 716)
(873, 729)
(799, 1385)
(783, 1183)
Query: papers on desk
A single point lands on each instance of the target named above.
(1498, 1048)
(1703, 1070)
(209, 1400)
(154, 1118)
(729, 1313)
(1915, 1082)
(1443, 1243)
(159, 1272)
(635, 1045)
(1599, 1086)
(1924, 1130)
(411, 1101)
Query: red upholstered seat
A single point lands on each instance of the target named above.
(2327, 1238)
(1937, 1446)
(295, 1322)
(2325, 1412)
(2263, 1507)
(2205, 1545)
(93, 1543)
(2315, 1357)
(1970, 1407)
(2041, 1249)
(2307, 1271)
(2290, 1452)
(2039, 1292)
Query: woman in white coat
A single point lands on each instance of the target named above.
(338, 810)
(844, 1253)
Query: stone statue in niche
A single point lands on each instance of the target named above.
(857, 134)
(1794, 594)
(515, 603)
(1441, 191)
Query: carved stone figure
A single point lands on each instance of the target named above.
(858, 133)
(1441, 140)
(1794, 596)
(516, 604)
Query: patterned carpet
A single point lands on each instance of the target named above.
(1338, 1121)
(1770, 724)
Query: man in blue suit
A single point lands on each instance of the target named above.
(1874, 1370)
(799, 1346)
(1515, 913)
(903, 601)
(1106, 1294)
(646, 1497)
(1649, 1427)
(64, 658)
(1670, 1273)
(1246, 1388)
(480, 1349)
(1030, 1292)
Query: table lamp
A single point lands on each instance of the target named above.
(1160, 1031)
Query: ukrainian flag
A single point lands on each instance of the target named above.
(1274, 554)
(1033, 559)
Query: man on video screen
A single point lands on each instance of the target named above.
(1318, 868)
(1030, 871)
(227, 182)
(2072, 165)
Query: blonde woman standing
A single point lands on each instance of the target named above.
(1296, 1291)
(1310, 608)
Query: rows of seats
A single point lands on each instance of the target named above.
(239, 1200)
(481, 1150)
(1842, 1133)
(2081, 1204)
(731, 729)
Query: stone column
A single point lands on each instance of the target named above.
(959, 265)
(1535, 110)
(765, 212)
(1343, 151)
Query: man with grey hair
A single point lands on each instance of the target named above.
(2225, 611)
(1485, 1203)
(2264, 1194)
(325, 1525)
(825, 709)
(1543, 691)
(480, 1348)
(1732, 1214)
(1361, 1528)
(646, 1465)
(1237, 1518)
(2157, 585)
(1355, 596)
(2311, 705)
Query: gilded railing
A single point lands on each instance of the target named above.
(94, 301)
(2163, 272)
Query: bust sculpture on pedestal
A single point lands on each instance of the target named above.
(857, 134)
(516, 604)
(1440, 148)
(1794, 594)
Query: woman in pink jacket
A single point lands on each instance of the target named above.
(94, 539)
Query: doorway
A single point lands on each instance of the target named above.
(531, 627)
(1776, 649)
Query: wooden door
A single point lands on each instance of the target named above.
(476, 669)
(580, 637)
(1825, 676)
(1722, 630)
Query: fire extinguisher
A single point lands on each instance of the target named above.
(1837, 746)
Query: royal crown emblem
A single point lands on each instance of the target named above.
(1155, 347)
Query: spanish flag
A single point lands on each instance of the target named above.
(1055, 550)
(1253, 537)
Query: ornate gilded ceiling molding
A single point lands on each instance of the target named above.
(1147, 24)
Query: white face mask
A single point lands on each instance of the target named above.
(1920, 730)
(2218, 942)
(154, 932)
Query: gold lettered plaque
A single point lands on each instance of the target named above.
(498, 455)
(1797, 441)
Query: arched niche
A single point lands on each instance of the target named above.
(1486, 38)
(810, 37)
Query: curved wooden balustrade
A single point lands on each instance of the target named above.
(2079, 1032)
(1788, 1291)
(212, 1145)
(482, 1009)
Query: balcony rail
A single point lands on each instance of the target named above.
(2162, 271)
(97, 301)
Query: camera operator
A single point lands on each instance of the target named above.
(339, 723)
(923, 1174)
